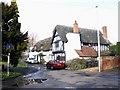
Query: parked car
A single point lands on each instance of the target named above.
(96, 63)
(32, 57)
(31, 60)
(88, 63)
(55, 64)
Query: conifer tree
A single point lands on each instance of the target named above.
(11, 33)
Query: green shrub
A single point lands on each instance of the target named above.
(118, 48)
(42, 62)
(76, 64)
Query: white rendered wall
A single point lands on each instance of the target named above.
(72, 44)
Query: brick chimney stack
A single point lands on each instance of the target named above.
(75, 27)
(104, 29)
(32, 42)
(13, 1)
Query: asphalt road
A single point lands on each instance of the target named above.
(43, 78)
(74, 79)
(81, 79)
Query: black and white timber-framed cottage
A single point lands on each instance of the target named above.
(66, 40)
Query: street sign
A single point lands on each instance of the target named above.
(9, 46)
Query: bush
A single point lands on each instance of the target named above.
(42, 62)
(76, 64)
(118, 48)
(115, 49)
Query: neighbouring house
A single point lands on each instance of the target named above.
(87, 52)
(44, 48)
(74, 42)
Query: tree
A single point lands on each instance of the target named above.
(11, 33)
(115, 49)
(118, 48)
(32, 40)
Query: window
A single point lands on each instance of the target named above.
(57, 44)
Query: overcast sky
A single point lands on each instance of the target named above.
(40, 17)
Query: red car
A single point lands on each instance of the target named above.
(55, 64)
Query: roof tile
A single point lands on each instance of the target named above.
(86, 52)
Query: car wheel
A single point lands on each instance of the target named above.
(47, 67)
(64, 67)
(52, 67)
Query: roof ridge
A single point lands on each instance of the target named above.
(78, 27)
(87, 35)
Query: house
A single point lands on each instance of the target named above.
(44, 48)
(68, 42)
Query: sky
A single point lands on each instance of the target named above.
(39, 17)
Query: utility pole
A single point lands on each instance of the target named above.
(98, 35)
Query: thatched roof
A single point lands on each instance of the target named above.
(45, 44)
(86, 35)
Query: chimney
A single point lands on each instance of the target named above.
(75, 27)
(33, 42)
(13, 1)
(104, 29)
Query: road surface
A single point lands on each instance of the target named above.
(43, 78)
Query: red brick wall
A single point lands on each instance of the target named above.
(109, 62)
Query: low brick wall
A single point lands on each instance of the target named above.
(109, 62)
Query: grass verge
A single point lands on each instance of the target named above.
(4, 76)
(19, 65)
(11, 75)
